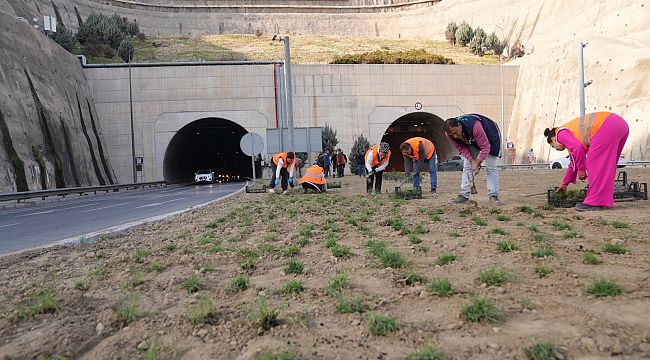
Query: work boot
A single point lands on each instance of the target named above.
(494, 200)
(585, 207)
(271, 191)
(433, 191)
(460, 200)
(285, 192)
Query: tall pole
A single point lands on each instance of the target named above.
(253, 157)
(288, 92)
(503, 129)
(581, 78)
(135, 180)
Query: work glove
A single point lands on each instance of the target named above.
(476, 166)
(371, 173)
(561, 188)
(582, 175)
(277, 181)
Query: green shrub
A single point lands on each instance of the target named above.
(359, 147)
(125, 49)
(65, 38)
(392, 57)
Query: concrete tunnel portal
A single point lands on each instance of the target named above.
(420, 124)
(209, 143)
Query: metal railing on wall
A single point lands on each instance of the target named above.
(25, 195)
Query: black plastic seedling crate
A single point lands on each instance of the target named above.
(334, 185)
(565, 200)
(407, 194)
(250, 189)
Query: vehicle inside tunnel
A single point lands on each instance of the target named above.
(210, 143)
(420, 124)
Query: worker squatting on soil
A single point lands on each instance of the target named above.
(376, 161)
(477, 139)
(285, 167)
(602, 135)
(314, 179)
(415, 150)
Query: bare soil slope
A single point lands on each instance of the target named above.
(167, 289)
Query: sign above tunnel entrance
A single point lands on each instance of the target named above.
(418, 106)
(306, 139)
(251, 144)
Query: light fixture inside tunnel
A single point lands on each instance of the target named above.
(210, 143)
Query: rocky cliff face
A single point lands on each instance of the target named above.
(49, 136)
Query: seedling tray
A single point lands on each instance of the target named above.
(256, 190)
(567, 199)
(407, 194)
(334, 185)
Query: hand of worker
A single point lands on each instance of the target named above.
(371, 173)
(582, 175)
(476, 166)
(277, 181)
(561, 188)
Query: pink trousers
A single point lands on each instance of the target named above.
(605, 149)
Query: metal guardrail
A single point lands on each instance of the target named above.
(24, 195)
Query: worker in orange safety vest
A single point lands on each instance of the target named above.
(417, 150)
(314, 179)
(285, 164)
(376, 161)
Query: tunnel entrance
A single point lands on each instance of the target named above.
(210, 143)
(420, 124)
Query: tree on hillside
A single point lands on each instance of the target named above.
(329, 139)
(464, 34)
(65, 38)
(361, 145)
(123, 50)
(450, 33)
(493, 44)
(478, 45)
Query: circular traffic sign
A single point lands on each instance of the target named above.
(251, 144)
(418, 106)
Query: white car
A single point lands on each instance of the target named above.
(204, 176)
(563, 162)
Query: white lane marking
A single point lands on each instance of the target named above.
(104, 207)
(1, 226)
(53, 210)
(50, 207)
(158, 204)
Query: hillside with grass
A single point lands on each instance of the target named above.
(305, 49)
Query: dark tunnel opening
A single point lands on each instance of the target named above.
(420, 124)
(210, 143)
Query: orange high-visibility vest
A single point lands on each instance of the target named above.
(375, 156)
(314, 174)
(282, 156)
(584, 128)
(428, 147)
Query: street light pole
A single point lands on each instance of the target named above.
(288, 93)
(130, 55)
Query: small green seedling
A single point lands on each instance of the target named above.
(542, 271)
(495, 276)
(338, 283)
(479, 221)
(544, 351)
(560, 225)
(293, 287)
(411, 278)
(428, 353)
(615, 249)
(294, 267)
(507, 246)
(604, 287)
(345, 305)
(202, 313)
(503, 218)
(192, 284)
(446, 258)
(239, 283)
(481, 309)
(379, 324)
(441, 287)
(544, 251)
(500, 231)
(590, 258)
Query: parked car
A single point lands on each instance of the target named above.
(454, 163)
(204, 176)
(563, 162)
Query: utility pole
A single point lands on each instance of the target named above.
(581, 78)
(288, 93)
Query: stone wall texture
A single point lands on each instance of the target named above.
(50, 136)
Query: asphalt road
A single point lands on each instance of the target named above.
(53, 222)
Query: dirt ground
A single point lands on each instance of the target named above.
(127, 297)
